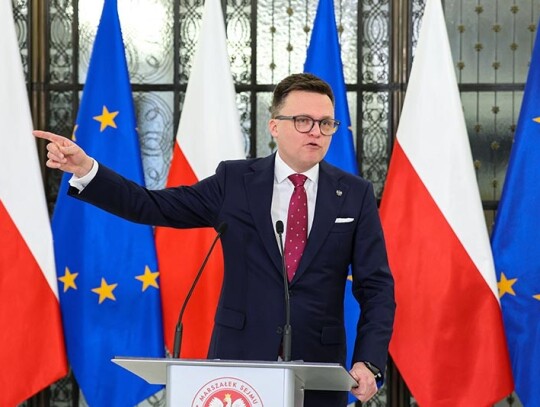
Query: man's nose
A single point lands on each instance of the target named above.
(316, 129)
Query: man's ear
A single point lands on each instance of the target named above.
(272, 127)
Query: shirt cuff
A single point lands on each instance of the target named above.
(81, 183)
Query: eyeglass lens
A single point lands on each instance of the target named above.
(305, 123)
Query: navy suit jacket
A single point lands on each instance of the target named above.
(250, 313)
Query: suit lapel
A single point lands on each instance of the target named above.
(259, 186)
(331, 193)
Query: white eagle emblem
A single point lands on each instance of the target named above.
(227, 402)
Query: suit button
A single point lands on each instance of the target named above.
(279, 330)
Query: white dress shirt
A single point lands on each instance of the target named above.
(283, 189)
(81, 183)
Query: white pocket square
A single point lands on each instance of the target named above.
(344, 220)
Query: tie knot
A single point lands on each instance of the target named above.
(298, 180)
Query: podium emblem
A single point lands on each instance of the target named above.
(227, 392)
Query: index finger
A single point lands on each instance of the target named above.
(55, 138)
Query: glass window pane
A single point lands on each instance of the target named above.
(147, 31)
(154, 112)
(265, 142)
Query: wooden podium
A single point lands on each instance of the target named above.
(229, 383)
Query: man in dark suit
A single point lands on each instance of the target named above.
(338, 226)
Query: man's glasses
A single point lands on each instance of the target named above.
(304, 124)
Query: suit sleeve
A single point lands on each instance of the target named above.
(180, 207)
(373, 286)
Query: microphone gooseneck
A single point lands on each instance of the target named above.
(179, 326)
(287, 329)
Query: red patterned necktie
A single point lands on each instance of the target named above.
(297, 223)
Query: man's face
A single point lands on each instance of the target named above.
(301, 151)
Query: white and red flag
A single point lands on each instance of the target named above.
(448, 340)
(32, 350)
(209, 132)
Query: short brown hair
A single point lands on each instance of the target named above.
(299, 81)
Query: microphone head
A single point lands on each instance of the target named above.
(222, 228)
(279, 227)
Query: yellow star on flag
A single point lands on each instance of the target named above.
(69, 280)
(536, 119)
(105, 291)
(537, 296)
(505, 285)
(74, 135)
(148, 278)
(106, 118)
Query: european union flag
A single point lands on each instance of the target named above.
(324, 60)
(515, 243)
(107, 268)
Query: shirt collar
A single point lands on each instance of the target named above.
(282, 171)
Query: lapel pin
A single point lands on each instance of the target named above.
(339, 192)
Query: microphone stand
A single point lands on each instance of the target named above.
(287, 329)
(179, 326)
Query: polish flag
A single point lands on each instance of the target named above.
(32, 351)
(209, 132)
(448, 341)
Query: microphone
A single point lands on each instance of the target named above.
(179, 327)
(287, 330)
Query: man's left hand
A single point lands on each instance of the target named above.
(367, 386)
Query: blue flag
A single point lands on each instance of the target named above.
(107, 267)
(324, 60)
(515, 243)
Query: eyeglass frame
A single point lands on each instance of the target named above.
(313, 121)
